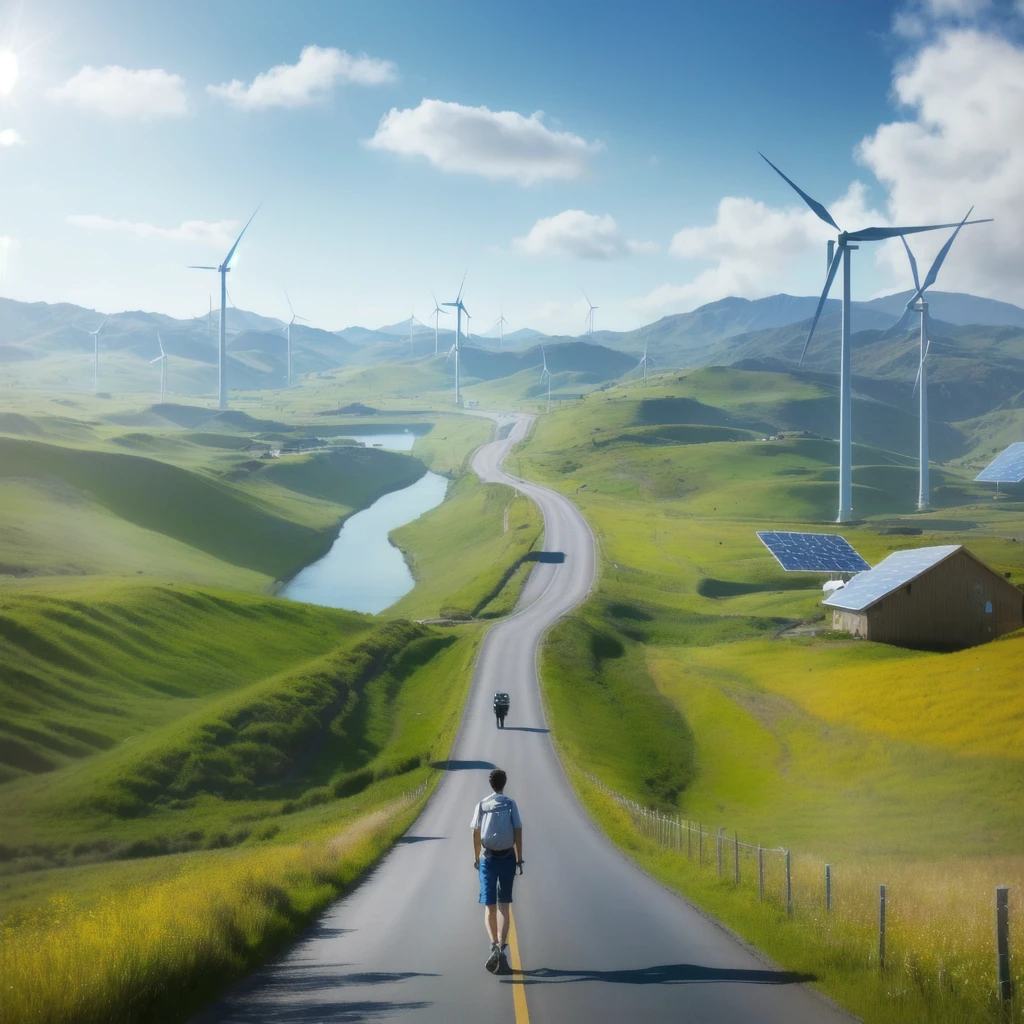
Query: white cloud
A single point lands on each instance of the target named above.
(956, 8)
(495, 144)
(123, 92)
(755, 248)
(963, 145)
(318, 70)
(9, 137)
(219, 233)
(577, 233)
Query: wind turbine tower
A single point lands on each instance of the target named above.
(918, 304)
(589, 318)
(459, 310)
(162, 360)
(500, 324)
(223, 269)
(643, 362)
(839, 251)
(96, 355)
(288, 335)
(437, 314)
(545, 375)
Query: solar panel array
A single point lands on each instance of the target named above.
(890, 574)
(813, 552)
(1006, 468)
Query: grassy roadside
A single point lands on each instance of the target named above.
(469, 555)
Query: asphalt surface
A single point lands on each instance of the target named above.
(599, 940)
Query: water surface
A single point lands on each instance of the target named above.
(363, 571)
(401, 442)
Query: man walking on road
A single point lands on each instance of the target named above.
(498, 835)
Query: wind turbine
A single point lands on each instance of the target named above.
(222, 381)
(437, 314)
(589, 318)
(918, 304)
(500, 324)
(96, 355)
(288, 332)
(162, 360)
(643, 362)
(839, 251)
(545, 375)
(459, 310)
(209, 319)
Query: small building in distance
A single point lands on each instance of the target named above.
(935, 598)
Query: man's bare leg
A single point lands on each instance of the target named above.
(491, 921)
(504, 916)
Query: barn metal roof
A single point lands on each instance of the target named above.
(899, 569)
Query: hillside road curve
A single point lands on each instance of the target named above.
(599, 941)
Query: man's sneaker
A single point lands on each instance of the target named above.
(493, 958)
(504, 963)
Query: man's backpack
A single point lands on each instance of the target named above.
(496, 831)
(501, 701)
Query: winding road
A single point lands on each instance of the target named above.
(598, 940)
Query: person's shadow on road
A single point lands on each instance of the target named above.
(668, 974)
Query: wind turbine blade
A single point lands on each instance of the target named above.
(160, 342)
(231, 252)
(461, 286)
(933, 271)
(821, 302)
(302, 318)
(289, 301)
(903, 316)
(193, 266)
(913, 265)
(812, 203)
(104, 324)
(157, 360)
(881, 234)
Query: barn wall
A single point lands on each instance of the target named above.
(946, 607)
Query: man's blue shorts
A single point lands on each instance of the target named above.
(496, 877)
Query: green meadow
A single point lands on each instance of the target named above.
(190, 767)
(703, 680)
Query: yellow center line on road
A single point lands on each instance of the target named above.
(518, 988)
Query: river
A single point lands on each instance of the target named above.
(363, 571)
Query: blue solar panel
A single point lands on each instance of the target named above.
(1005, 468)
(813, 552)
(890, 574)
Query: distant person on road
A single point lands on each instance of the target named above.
(502, 702)
(497, 851)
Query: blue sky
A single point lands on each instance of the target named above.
(639, 183)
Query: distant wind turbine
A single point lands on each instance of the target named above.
(459, 310)
(288, 335)
(545, 375)
(918, 304)
(162, 360)
(643, 362)
(96, 355)
(500, 324)
(839, 251)
(413, 321)
(223, 269)
(589, 318)
(437, 314)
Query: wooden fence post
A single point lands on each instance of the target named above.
(700, 844)
(718, 851)
(1003, 983)
(689, 840)
(760, 873)
(736, 857)
(881, 927)
(828, 888)
(789, 888)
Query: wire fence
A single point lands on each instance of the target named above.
(930, 935)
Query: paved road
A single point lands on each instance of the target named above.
(600, 942)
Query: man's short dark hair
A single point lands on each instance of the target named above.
(497, 779)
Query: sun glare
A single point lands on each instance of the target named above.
(8, 72)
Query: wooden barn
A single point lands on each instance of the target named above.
(936, 598)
